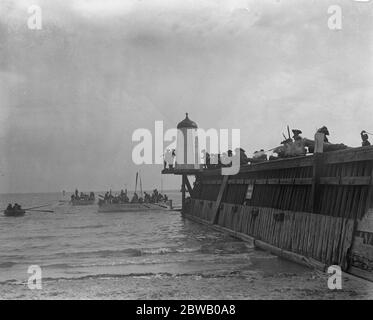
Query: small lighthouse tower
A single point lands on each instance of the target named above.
(187, 154)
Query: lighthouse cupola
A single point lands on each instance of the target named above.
(187, 156)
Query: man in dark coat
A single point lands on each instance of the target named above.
(364, 138)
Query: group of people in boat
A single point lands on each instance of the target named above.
(15, 207)
(122, 197)
(82, 196)
(155, 197)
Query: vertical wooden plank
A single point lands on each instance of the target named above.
(337, 239)
(320, 237)
(330, 242)
(326, 238)
(310, 238)
(348, 237)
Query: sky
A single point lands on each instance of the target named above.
(72, 93)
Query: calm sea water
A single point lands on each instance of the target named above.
(158, 254)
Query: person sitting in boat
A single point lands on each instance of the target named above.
(91, 196)
(364, 137)
(135, 198)
(141, 200)
(146, 197)
(9, 207)
(16, 206)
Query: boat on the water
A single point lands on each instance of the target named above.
(14, 212)
(131, 207)
(121, 202)
(82, 202)
(82, 199)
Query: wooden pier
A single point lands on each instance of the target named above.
(318, 207)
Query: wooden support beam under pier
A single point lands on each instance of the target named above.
(215, 214)
(189, 187)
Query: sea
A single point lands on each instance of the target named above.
(84, 254)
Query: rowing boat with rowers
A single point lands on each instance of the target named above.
(18, 211)
(14, 212)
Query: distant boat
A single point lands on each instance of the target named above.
(14, 212)
(104, 206)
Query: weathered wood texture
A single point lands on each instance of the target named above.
(324, 238)
(362, 250)
(337, 187)
(315, 206)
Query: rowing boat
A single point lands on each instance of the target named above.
(14, 212)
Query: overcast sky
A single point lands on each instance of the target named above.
(72, 93)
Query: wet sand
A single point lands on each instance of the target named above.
(251, 284)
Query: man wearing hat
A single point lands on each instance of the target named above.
(296, 134)
(298, 147)
(364, 137)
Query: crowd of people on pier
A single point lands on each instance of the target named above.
(291, 146)
(122, 197)
(82, 196)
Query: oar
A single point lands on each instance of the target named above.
(40, 210)
(46, 205)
